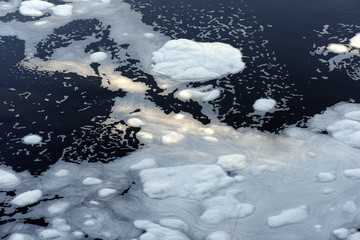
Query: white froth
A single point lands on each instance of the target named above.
(143, 164)
(186, 60)
(62, 10)
(218, 209)
(62, 173)
(326, 177)
(349, 207)
(58, 207)
(355, 41)
(174, 224)
(341, 233)
(264, 104)
(232, 161)
(20, 236)
(91, 181)
(210, 139)
(98, 57)
(135, 122)
(203, 94)
(172, 137)
(192, 181)
(289, 216)
(34, 8)
(27, 198)
(218, 235)
(105, 192)
(352, 173)
(337, 48)
(32, 139)
(157, 232)
(8, 180)
(50, 234)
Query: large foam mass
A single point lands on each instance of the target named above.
(187, 60)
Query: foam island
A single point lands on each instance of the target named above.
(186, 60)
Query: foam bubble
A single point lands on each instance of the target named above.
(185, 60)
(264, 104)
(32, 139)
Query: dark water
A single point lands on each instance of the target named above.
(68, 110)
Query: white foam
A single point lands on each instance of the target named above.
(349, 207)
(264, 104)
(341, 233)
(157, 232)
(289, 216)
(50, 233)
(98, 57)
(232, 161)
(58, 207)
(8, 180)
(20, 236)
(174, 224)
(27, 198)
(32, 139)
(135, 122)
(352, 173)
(326, 177)
(172, 137)
(192, 181)
(218, 209)
(91, 181)
(218, 235)
(203, 94)
(34, 8)
(354, 236)
(186, 60)
(210, 139)
(143, 164)
(62, 10)
(105, 192)
(355, 41)
(62, 173)
(337, 48)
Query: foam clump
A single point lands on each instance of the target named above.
(192, 181)
(264, 104)
(143, 164)
(232, 161)
(20, 236)
(341, 233)
(98, 57)
(218, 235)
(174, 224)
(289, 216)
(172, 137)
(352, 173)
(64, 10)
(27, 198)
(32, 139)
(203, 94)
(326, 177)
(355, 41)
(8, 180)
(337, 48)
(50, 233)
(105, 192)
(187, 60)
(157, 232)
(58, 207)
(341, 121)
(217, 209)
(62, 173)
(91, 181)
(135, 122)
(34, 8)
